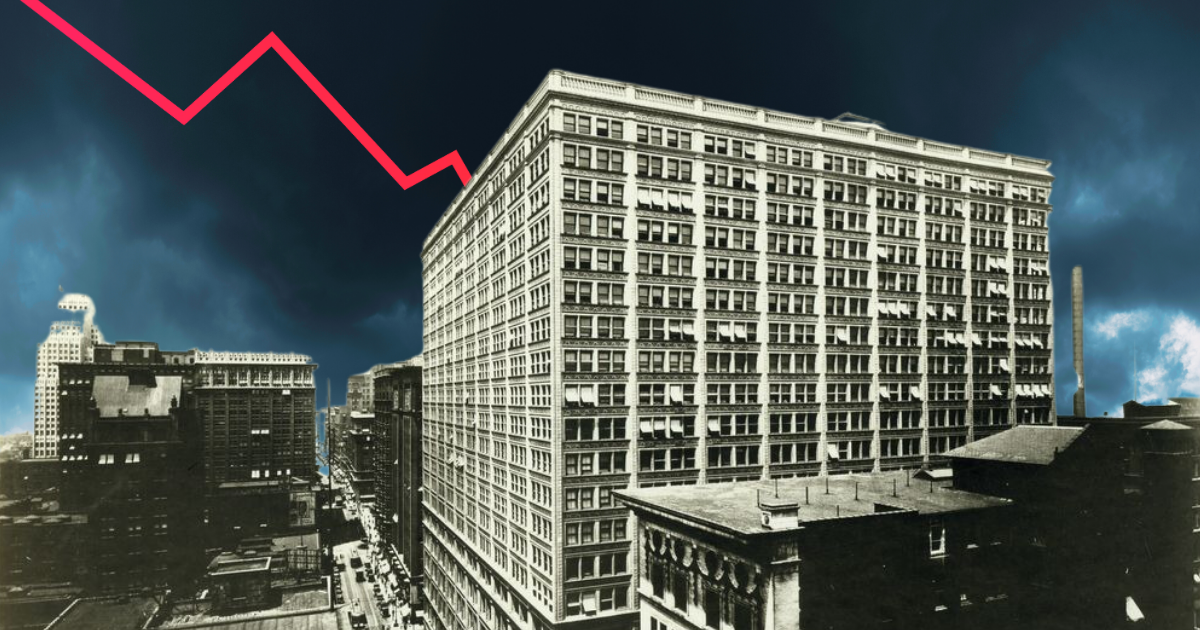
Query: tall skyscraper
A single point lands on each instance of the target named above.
(644, 288)
(68, 342)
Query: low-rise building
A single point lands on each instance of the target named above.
(1036, 527)
(240, 582)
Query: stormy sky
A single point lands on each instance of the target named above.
(264, 225)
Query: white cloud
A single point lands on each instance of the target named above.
(1153, 385)
(1112, 325)
(1181, 344)
(1175, 370)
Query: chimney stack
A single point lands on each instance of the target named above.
(1077, 321)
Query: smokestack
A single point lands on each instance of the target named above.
(1077, 329)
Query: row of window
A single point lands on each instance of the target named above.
(667, 394)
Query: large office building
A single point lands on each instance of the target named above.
(258, 410)
(642, 288)
(69, 342)
(258, 414)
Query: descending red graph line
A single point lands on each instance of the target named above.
(269, 42)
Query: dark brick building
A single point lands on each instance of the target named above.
(398, 460)
(258, 414)
(1041, 527)
(130, 451)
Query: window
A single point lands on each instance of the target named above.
(712, 609)
(729, 207)
(937, 540)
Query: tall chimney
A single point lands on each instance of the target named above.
(1077, 329)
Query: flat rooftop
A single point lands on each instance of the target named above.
(1022, 444)
(228, 565)
(734, 507)
(305, 609)
(106, 614)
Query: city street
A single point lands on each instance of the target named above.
(359, 596)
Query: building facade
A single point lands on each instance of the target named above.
(131, 463)
(645, 288)
(258, 410)
(360, 395)
(1036, 529)
(68, 342)
(861, 551)
(357, 454)
(398, 462)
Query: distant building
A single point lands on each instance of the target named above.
(1036, 531)
(398, 462)
(68, 342)
(259, 416)
(360, 395)
(258, 410)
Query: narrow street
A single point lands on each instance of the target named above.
(374, 594)
(359, 596)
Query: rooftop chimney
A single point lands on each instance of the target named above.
(1077, 329)
(778, 513)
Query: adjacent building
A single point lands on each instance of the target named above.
(398, 463)
(641, 288)
(68, 342)
(1169, 525)
(1035, 530)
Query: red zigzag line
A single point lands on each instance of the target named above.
(269, 42)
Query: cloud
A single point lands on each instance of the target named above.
(1111, 326)
(1181, 346)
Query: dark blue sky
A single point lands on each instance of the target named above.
(263, 224)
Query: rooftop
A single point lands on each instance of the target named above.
(115, 393)
(105, 614)
(734, 507)
(732, 115)
(228, 564)
(1024, 444)
(1167, 425)
(215, 356)
(303, 609)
